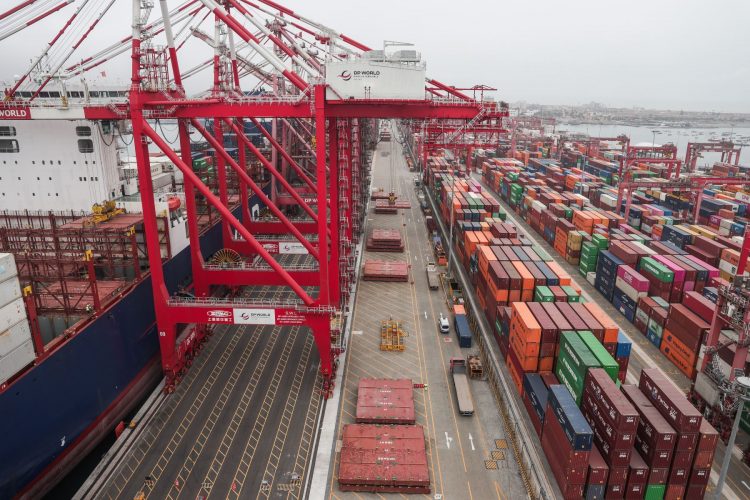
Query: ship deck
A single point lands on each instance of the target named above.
(241, 424)
(468, 457)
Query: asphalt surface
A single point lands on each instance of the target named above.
(644, 354)
(468, 457)
(241, 424)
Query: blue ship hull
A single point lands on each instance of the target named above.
(60, 409)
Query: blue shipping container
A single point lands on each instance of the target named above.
(463, 333)
(536, 391)
(595, 491)
(711, 293)
(624, 346)
(576, 428)
(653, 337)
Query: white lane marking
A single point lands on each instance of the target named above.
(448, 440)
(471, 440)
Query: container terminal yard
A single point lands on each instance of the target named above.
(326, 274)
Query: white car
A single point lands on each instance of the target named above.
(444, 325)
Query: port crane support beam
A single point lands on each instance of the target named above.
(730, 153)
(690, 184)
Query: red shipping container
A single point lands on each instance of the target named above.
(678, 476)
(615, 490)
(658, 475)
(575, 321)
(549, 328)
(535, 422)
(700, 305)
(614, 404)
(686, 441)
(618, 475)
(699, 477)
(598, 468)
(556, 447)
(682, 459)
(557, 316)
(695, 492)
(637, 470)
(670, 401)
(675, 492)
(655, 439)
(591, 323)
(706, 447)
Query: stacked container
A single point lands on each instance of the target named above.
(567, 441)
(614, 422)
(683, 417)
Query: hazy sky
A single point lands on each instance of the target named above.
(659, 53)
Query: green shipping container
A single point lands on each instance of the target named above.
(597, 349)
(573, 362)
(542, 253)
(600, 242)
(571, 293)
(586, 267)
(655, 491)
(660, 271)
(543, 294)
(661, 302)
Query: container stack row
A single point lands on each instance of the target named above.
(632, 441)
(566, 356)
(661, 272)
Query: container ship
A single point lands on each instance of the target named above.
(79, 348)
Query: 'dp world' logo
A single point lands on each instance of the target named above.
(345, 75)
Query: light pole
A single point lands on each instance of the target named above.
(744, 385)
(450, 229)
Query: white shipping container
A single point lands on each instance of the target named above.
(10, 290)
(7, 266)
(629, 291)
(12, 314)
(591, 278)
(16, 360)
(608, 200)
(364, 79)
(14, 336)
(707, 389)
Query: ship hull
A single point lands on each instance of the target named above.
(56, 412)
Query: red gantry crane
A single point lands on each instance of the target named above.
(322, 94)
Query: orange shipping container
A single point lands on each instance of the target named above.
(522, 317)
(673, 349)
(527, 279)
(560, 272)
(610, 327)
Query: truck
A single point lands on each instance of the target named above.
(432, 276)
(461, 386)
(461, 325)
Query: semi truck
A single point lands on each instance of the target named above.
(461, 386)
(432, 276)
